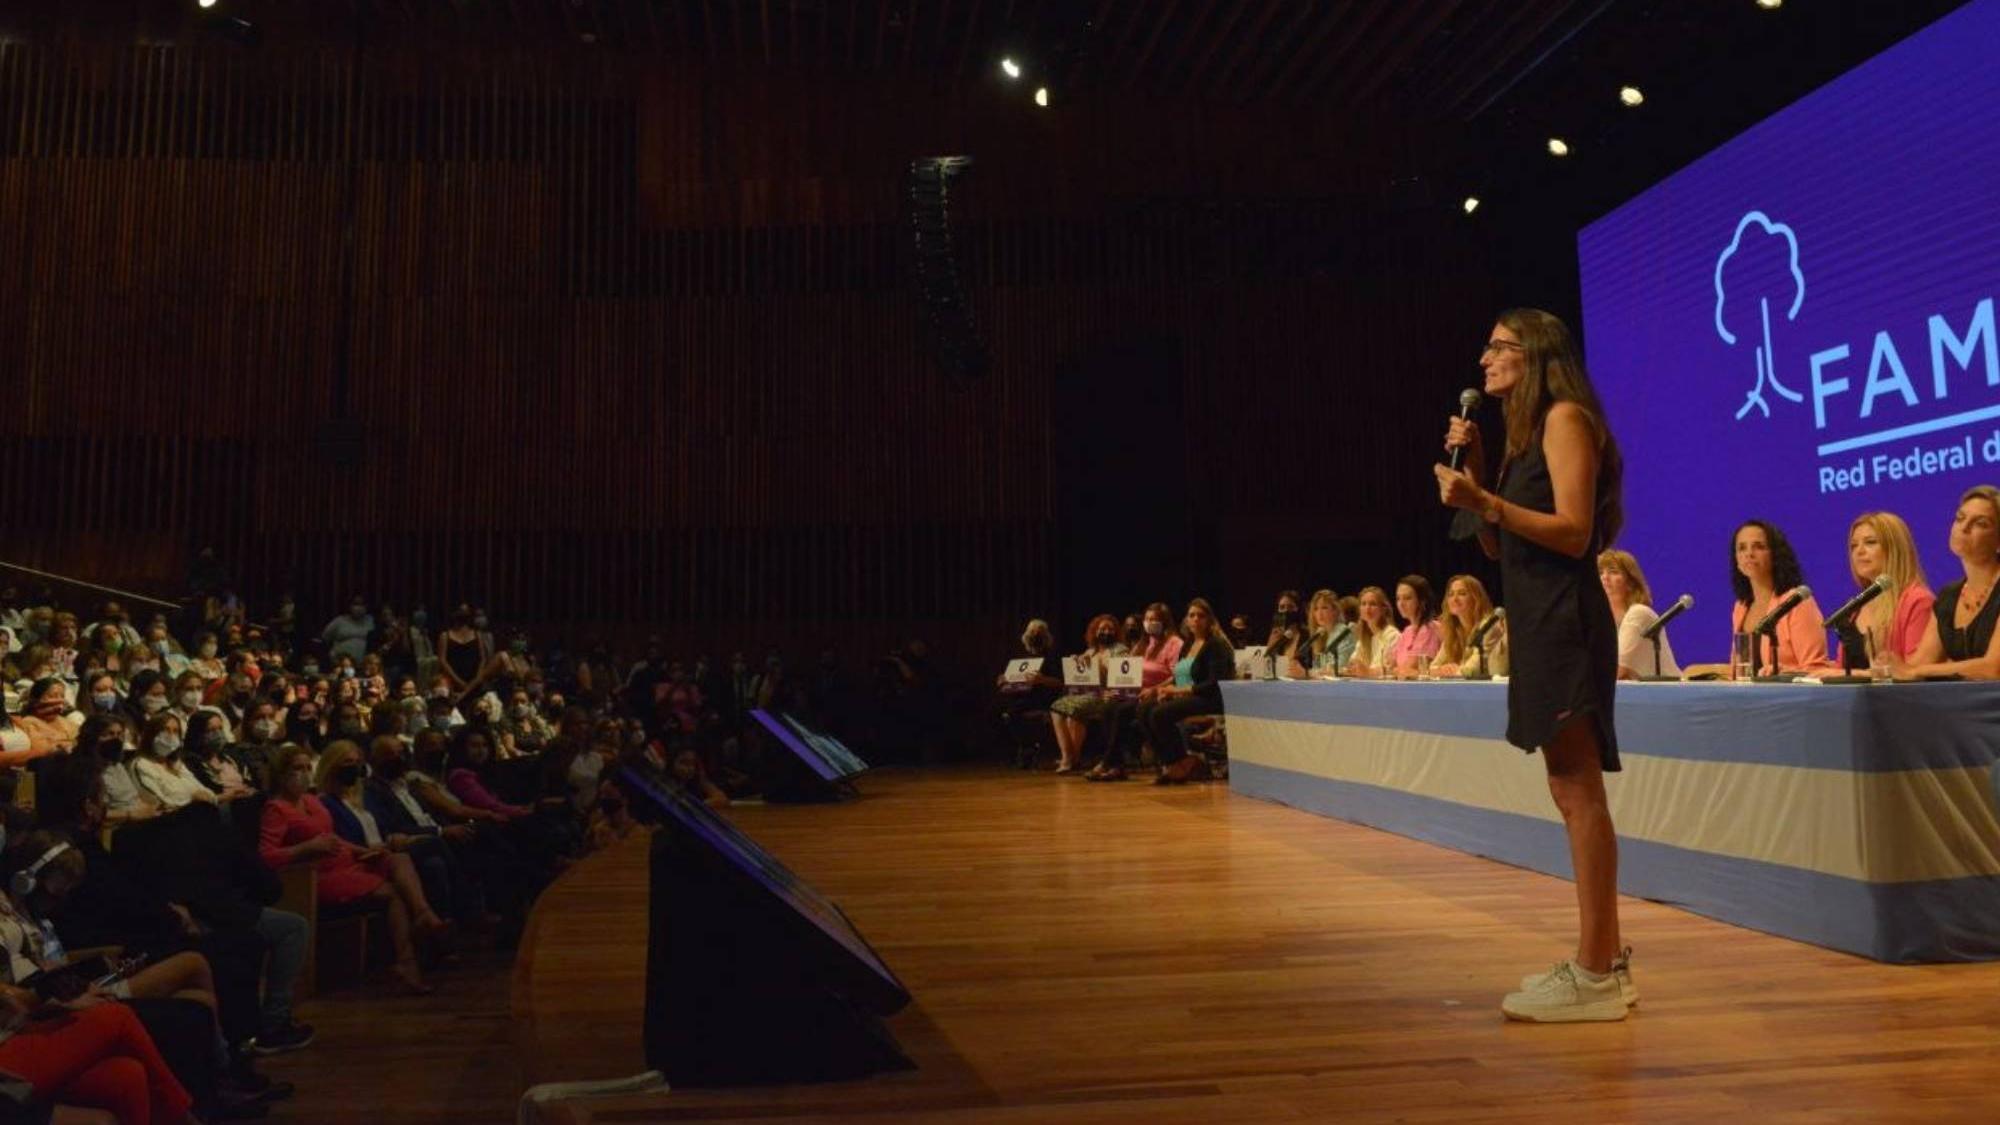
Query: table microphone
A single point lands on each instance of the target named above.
(1479, 635)
(1778, 612)
(1468, 401)
(1685, 603)
(1843, 616)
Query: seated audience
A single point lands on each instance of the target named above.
(1468, 611)
(46, 720)
(159, 770)
(1032, 696)
(1158, 647)
(298, 829)
(1071, 714)
(198, 899)
(1960, 639)
(1632, 605)
(1196, 690)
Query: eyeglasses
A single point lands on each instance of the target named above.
(1493, 346)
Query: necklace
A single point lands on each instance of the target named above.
(1969, 602)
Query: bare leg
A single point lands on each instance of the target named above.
(1576, 781)
(405, 967)
(410, 888)
(1065, 737)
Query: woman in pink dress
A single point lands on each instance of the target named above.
(297, 829)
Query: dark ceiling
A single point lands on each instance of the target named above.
(1483, 83)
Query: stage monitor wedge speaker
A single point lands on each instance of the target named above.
(807, 766)
(752, 976)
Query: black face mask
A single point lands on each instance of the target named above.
(393, 769)
(348, 775)
(1104, 638)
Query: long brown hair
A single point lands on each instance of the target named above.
(1555, 373)
(1218, 631)
(1456, 635)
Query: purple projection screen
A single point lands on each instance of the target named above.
(1799, 326)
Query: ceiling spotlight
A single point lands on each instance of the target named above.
(1770, 5)
(1471, 204)
(1042, 96)
(1558, 147)
(206, 3)
(1010, 68)
(1630, 95)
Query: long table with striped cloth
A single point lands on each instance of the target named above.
(1858, 817)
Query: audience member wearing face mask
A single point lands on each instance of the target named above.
(46, 721)
(1071, 715)
(160, 770)
(297, 828)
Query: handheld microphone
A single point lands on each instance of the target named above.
(1681, 606)
(1468, 401)
(1846, 614)
(1778, 612)
(1479, 635)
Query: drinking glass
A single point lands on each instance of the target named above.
(1424, 667)
(1742, 656)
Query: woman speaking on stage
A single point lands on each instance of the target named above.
(1557, 504)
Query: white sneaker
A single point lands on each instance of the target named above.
(1564, 996)
(1621, 967)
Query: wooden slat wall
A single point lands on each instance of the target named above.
(633, 346)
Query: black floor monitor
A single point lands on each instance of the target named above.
(806, 765)
(752, 976)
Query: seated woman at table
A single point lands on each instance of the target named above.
(1879, 543)
(1632, 605)
(1961, 639)
(1288, 628)
(1467, 609)
(1420, 636)
(1374, 635)
(1331, 643)
(1763, 570)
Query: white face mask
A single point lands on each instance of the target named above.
(166, 745)
(190, 700)
(1155, 628)
(153, 704)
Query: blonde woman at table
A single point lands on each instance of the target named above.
(1559, 502)
(1374, 635)
(1961, 639)
(1632, 607)
(1331, 643)
(1467, 609)
(1879, 543)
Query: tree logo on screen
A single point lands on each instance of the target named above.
(1757, 284)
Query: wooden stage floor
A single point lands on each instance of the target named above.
(1119, 952)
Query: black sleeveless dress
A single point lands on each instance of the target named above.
(1563, 642)
(1970, 642)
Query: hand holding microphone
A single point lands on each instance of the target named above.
(1460, 488)
(1463, 434)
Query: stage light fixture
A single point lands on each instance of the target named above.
(1042, 96)
(1471, 204)
(1770, 5)
(1010, 68)
(1558, 147)
(206, 3)
(1631, 96)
